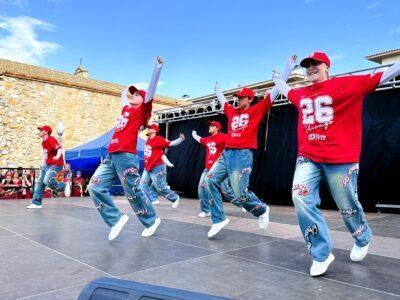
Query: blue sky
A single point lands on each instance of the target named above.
(235, 42)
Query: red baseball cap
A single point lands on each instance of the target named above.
(46, 128)
(245, 92)
(132, 89)
(315, 56)
(154, 127)
(216, 124)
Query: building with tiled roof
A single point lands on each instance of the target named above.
(35, 73)
(385, 57)
(31, 96)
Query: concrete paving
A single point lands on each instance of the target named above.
(53, 252)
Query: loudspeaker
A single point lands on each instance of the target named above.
(117, 289)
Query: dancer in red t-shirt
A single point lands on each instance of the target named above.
(329, 145)
(52, 165)
(154, 165)
(236, 161)
(214, 145)
(122, 162)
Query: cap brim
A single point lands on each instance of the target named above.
(132, 89)
(239, 95)
(306, 62)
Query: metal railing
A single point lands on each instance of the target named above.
(210, 107)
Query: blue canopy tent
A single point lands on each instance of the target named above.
(87, 157)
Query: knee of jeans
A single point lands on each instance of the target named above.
(128, 173)
(47, 180)
(300, 192)
(93, 184)
(135, 184)
(209, 180)
(349, 212)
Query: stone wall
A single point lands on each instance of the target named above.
(26, 104)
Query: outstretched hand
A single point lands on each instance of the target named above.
(160, 60)
(276, 74)
(194, 133)
(217, 87)
(292, 61)
(182, 136)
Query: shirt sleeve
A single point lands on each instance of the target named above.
(264, 104)
(163, 143)
(203, 141)
(228, 109)
(294, 96)
(368, 83)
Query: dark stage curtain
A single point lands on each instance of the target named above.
(274, 164)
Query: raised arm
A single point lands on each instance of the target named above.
(196, 136)
(154, 80)
(291, 63)
(220, 96)
(390, 73)
(280, 84)
(177, 141)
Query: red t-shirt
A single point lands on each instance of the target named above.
(126, 131)
(243, 124)
(214, 145)
(153, 151)
(329, 123)
(50, 148)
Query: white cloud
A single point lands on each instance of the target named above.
(145, 85)
(21, 43)
(337, 56)
(394, 31)
(375, 4)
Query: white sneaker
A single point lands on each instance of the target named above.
(176, 203)
(204, 214)
(67, 191)
(147, 232)
(155, 202)
(215, 228)
(358, 253)
(32, 206)
(116, 229)
(263, 220)
(243, 209)
(319, 267)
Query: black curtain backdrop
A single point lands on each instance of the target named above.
(274, 160)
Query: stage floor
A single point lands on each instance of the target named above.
(52, 253)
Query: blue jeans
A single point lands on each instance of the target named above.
(236, 165)
(342, 182)
(156, 178)
(226, 192)
(47, 178)
(124, 166)
(153, 194)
